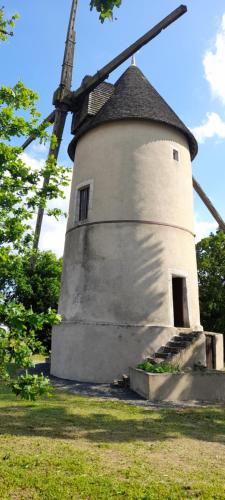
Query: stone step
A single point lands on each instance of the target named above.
(172, 349)
(178, 344)
(178, 338)
(174, 346)
(163, 355)
(188, 337)
(192, 335)
(123, 383)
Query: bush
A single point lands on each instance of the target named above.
(158, 368)
(34, 286)
(18, 342)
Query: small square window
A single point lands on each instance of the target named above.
(175, 155)
(83, 202)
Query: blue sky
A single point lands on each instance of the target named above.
(186, 64)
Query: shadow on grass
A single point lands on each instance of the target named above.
(109, 422)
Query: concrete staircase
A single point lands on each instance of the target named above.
(175, 347)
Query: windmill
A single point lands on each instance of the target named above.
(66, 100)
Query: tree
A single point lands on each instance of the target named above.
(35, 287)
(21, 309)
(20, 195)
(211, 275)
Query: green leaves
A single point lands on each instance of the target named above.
(12, 100)
(105, 8)
(18, 341)
(30, 387)
(158, 368)
(20, 195)
(211, 275)
(36, 287)
(6, 25)
(26, 296)
(20, 185)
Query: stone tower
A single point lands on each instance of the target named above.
(129, 275)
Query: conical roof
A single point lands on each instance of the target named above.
(134, 97)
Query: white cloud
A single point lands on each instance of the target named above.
(214, 70)
(53, 235)
(213, 126)
(39, 148)
(214, 64)
(53, 231)
(204, 228)
(32, 162)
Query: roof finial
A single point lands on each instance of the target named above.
(133, 61)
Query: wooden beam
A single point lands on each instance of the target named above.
(61, 108)
(67, 66)
(208, 204)
(71, 98)
(92, 82)
(50, 119)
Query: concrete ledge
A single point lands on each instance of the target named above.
(192, 386)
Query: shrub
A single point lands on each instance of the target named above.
(147, 366)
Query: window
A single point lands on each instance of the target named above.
(83, 202)
(175, 155)
(84, 193)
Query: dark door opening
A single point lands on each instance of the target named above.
(179, 301)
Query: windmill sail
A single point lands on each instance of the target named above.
(62, 109)
(65, 100)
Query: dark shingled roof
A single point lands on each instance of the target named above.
(134, 97)
(92, 104)
(99, 96)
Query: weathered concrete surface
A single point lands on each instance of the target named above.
(194, 386)
(116, 295)
(121, 273)
(134, 173)
(107, 350)
(102, 352)
(194, 354)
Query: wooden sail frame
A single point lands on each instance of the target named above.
(66, 100)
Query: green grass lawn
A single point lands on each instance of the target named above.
(70, 447)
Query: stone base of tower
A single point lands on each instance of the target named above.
(101, 353)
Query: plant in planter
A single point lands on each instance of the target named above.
(149, 367)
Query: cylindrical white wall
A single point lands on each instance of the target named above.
(134, 174)
(116, 297)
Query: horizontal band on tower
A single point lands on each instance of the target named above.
(120, 325)
(149, 222)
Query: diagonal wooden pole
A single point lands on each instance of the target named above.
(208, 204)
(73, 99)
(50, 119)
(61, 109)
